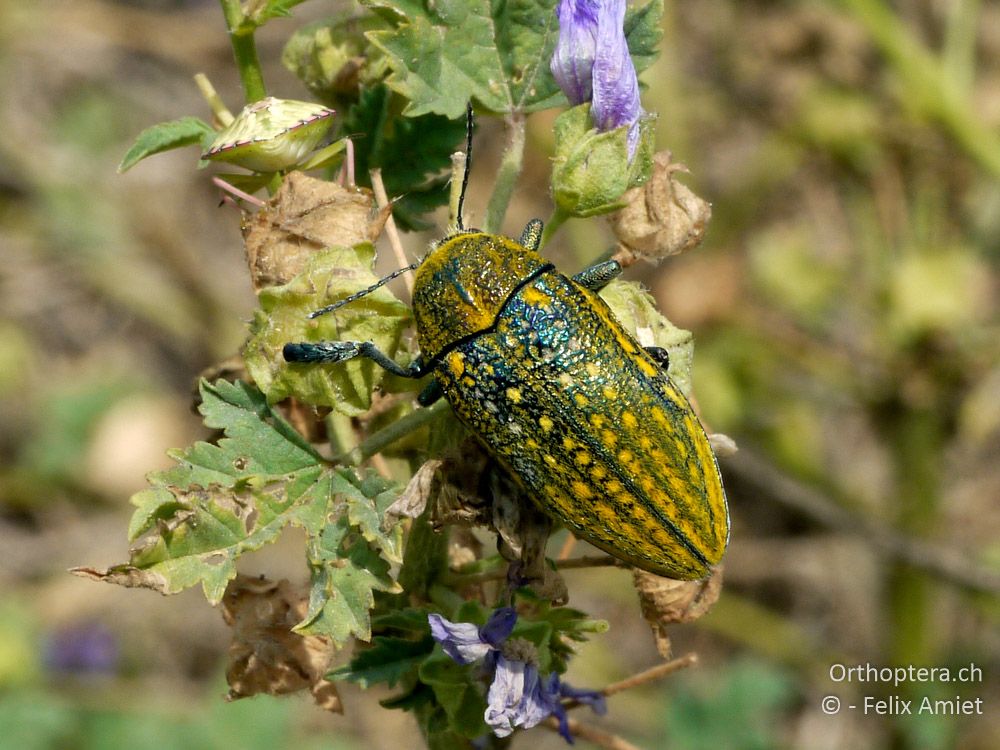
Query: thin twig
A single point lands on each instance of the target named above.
(946, 563)
(595, 561)
(590, 561)
(641, 678)
(591, 733)
(382, 200)
(567, 547)
(653, 673)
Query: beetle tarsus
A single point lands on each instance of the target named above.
(599, 275)
(531, 237)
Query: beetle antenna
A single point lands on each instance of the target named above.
(459, 223)
(358, 295)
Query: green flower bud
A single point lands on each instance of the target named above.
(592, 170)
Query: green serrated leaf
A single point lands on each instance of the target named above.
(388, 140)
(210, 528)
(346, 572)
(258, 443)
(329, 275)
(350, 562)
(272, 9)
(226, 499)
(445, 53)
(643, 31)
(366, 511)
(388, 660)
(406, 620)
(455, 690)
(166, 136)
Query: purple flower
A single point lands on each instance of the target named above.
(572, 62)
(591, 62)
(518, 695)
(465, 642)
(85, 648)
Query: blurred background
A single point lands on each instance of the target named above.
(844, 307)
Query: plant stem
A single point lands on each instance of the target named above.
(510, 170)
(393, 432)
(241, 36)
(556, 220)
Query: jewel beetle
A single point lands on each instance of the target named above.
(585, 419)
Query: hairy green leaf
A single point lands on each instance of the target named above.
(388, 660)
(329, 275)
(444, 54)
(456, 692)
(238, 494)
(413, 150)
(165, 136)
(346, 571)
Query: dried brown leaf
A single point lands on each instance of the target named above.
(127, 576)
(265, 656)
(661, 218)
(665, 601)
(305, 216)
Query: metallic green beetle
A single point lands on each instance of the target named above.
(584, 418)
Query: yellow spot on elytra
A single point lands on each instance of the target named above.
(545, 423)
(645, 443)
(456, 364)
(580, 399)
(467, 381)
(609, 438)
(609, 393)
(550, 459)
(535, 296)
(597, 420)
(581, 490)
(531, 443)
(583, 458)
(514, 394)
(629, 420)
(565, 379)
(615, 487)
(598, 473)
(659, 415)
(609, 517)
(626, 456)
(647, 367)
(593, 370)
(569, 443)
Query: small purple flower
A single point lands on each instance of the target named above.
(465, 642)
(84, 648)
(591, 62)
(572, 62)
(518, 695)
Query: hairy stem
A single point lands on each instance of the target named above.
(241, 36)
(510, 170)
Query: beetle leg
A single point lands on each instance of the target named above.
(598, 275)
(341, 351)
(661, 355)
(431, 393)
(531, 237)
